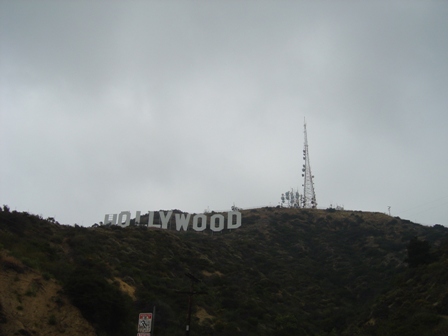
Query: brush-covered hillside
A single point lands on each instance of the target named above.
(283, 272)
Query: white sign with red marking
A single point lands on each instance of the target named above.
(144, 324)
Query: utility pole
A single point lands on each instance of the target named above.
(190, 299)
(309, 197)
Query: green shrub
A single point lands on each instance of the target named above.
(52, 320)
(100, 302)
(418, 252)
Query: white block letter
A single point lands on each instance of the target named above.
(165, 218)
(231, 215)
(108, 220)
(151, 220)
(196, 225)
(213, 225)
(137, 218)
(127, 214)
(182, 221)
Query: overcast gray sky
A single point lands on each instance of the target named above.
(145, 105)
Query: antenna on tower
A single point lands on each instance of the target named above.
(309, 197)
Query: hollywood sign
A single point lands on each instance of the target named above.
(199, 222)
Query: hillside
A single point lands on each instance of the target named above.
(283, 272)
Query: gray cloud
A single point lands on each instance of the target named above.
(111, 106)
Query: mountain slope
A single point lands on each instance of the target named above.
(31, 304)
(284, 272)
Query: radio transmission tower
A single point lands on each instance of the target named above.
(309, 197)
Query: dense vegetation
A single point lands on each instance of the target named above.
(284, 272)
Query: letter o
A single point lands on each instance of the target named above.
(203, 222)
(126, 214)
(220, 225)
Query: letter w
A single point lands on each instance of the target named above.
(182, 221)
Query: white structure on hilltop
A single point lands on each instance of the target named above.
(308, 197)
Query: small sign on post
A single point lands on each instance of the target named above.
(144, 324)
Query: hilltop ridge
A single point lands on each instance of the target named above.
(285, 271)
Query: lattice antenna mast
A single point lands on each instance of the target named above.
(309, 197)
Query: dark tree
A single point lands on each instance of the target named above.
(418, 252)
